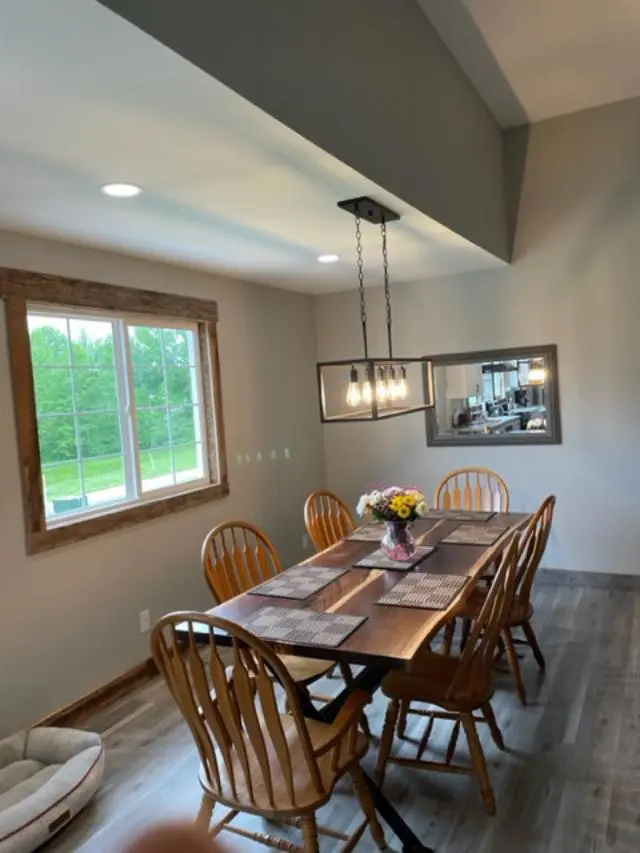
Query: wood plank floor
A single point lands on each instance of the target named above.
(569, 781)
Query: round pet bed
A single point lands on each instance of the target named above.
(47, 776)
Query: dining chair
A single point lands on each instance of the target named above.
(479, 489)
(460, 688)
(327, 519)
(531, 550)
(237, 556)
(255, 760)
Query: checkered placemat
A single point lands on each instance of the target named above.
(459, 515)
(302, 626)
(474, 534)
(428, 592)
(379, 560)
(368, 533)
(299, 582)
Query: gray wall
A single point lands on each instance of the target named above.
(575, 282)
(69, 618)
(369, 81)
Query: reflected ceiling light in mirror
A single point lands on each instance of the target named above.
(119, 190)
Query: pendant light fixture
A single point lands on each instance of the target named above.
(369, 388)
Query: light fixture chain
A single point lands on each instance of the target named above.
(363, 304)
(387, 290)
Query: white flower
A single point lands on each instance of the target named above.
(362, 503)
(422, 508)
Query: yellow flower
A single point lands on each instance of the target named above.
(403, 512)
(396, 503)
(409, 500)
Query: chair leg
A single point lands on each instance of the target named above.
(453, 740)
(479, 762)
(386, 741)
(366, 803)
(309, 829)
(494, 728)
(364, 725)
(447, 640)
(514, 663)
(402, 719)
(532, 640)
(345, 672)
(466, 631)
(205, 813)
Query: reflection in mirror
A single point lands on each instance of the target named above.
(499, 396)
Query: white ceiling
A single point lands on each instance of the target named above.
(534, 59)
(87, 98)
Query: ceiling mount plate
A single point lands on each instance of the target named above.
(367, 208)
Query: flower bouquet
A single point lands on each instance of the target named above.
(397, 508)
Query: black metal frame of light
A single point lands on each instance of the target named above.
(376, 411)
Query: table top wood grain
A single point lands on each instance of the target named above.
(390, 636)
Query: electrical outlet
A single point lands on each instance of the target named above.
(305, 541)
(145, 621)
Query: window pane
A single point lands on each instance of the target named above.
(153, 429)
(99, 435)
(95, 389)
(145, 343)
(188, 463)
(62, 487)
(149, 386)
(104, 480)
(180, 385)
(57, 439)
(49, 341)
(91, 342)
(157, 469)
(177, 343)
(53, 390)
(183, 425)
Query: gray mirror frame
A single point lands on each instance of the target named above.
(552, 391)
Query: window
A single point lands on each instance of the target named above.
(118, 411)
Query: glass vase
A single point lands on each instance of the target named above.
(397, 542)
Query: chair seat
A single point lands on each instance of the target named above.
(305, 670)
(430, 681)
(306, 795)
(520, 612)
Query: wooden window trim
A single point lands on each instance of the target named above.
(18, 288)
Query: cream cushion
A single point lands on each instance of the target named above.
(47, 776)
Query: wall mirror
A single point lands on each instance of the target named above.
(506, 396)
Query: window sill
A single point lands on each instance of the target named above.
(119, 517)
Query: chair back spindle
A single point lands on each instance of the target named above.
(236, 556)
(327, 519)
(473, 489)
(532, 547)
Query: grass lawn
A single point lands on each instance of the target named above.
(63, 481)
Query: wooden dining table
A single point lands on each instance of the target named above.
(390, 637)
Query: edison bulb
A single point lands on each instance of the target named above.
(402, 387)
(353, 394)
(381, 386)
(392, 385)
(367, 392)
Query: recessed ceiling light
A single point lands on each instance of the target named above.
(121, 190)
(328, 259)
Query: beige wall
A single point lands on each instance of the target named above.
(69, 618)
(575, 282)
